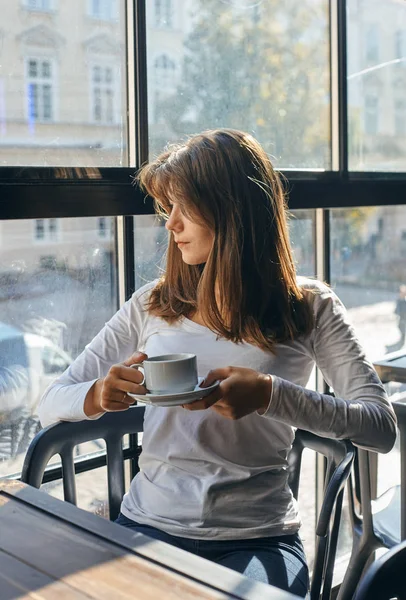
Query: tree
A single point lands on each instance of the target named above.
(264, 70)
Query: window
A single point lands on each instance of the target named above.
(371, 115)
(233, 64)
(56, 297)
(102, 227)
(103, 96)
(164, 13)
(46, 230)
(164, 85)
(164, 71)
(400, 116)
(40, 84)
(103, 9)
(400, 45)
(372, 43)
(39, 5)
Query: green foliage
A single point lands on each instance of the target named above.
(264, 70)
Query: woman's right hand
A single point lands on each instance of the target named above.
(109, 394)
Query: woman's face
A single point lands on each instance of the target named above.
(193, 240)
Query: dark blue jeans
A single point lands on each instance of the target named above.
(279, 561)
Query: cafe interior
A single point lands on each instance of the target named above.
(90, 90)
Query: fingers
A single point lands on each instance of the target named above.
(115, 401)
(121, 380)
(121, 397)
(216, 375)
(206, 402)
(125, 375)
(135, 358)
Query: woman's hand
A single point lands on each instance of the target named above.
(109, 394)
(241, 392)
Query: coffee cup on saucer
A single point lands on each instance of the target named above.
(169, 373)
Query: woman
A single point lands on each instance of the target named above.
(213, 474)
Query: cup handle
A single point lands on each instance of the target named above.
(137, 366)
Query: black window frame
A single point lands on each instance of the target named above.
(30, 192)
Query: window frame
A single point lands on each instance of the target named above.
(30, 192)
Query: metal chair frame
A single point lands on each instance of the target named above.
(385, 578)
(62, 438)
(377, 523)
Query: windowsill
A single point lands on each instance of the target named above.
(40, 11)
(106, 20)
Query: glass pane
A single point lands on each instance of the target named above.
(376, 66)
(368, 247)
(262, 67)
(301, 228)
(57, 289)
(51, 114)
(368, 266)
(150, 243)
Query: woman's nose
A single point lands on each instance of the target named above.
(173, 222)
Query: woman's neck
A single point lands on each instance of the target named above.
(197, 318)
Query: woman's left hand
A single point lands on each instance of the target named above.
(241, 392)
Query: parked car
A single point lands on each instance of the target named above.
(28, 364)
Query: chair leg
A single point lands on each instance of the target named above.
(358, 561)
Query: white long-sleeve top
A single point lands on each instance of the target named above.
(206, 476)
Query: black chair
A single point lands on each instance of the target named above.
(376, 523)
(62, 438)
(385, 579)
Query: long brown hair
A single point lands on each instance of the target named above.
(224, 179)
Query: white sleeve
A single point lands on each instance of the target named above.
(64, 399)
(360, 409)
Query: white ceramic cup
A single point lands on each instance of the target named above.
(169, 373)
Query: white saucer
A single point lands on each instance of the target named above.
(176, 399)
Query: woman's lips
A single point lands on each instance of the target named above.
(180, 244)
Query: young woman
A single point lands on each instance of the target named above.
(213, 476)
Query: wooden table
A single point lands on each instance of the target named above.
(392, 367)
(50, 550)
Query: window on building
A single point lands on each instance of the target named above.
(46, 230)
(400, 45)
(102, 227)
(164, 82)
(403, 243)
(165, 69)
(103, 94)
(371, 114)
(400, 116)
(40, 85)
(103, 9)
(372, 43)
(40, 5)
(164, 13)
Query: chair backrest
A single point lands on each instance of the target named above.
(62, 438)
(340, 456)
(385, 578)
